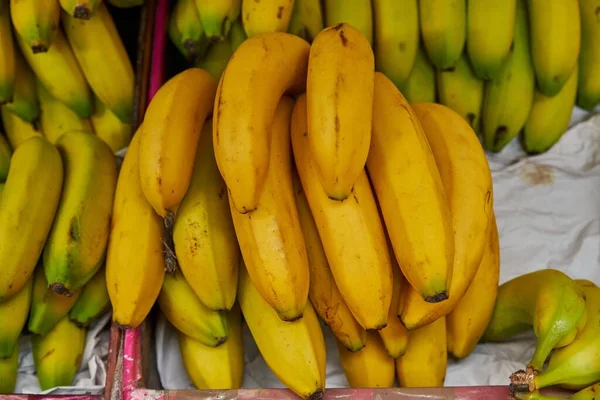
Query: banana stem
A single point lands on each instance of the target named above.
(168, 244)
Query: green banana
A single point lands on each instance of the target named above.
(93, 300)
(5, 155)
(589, 58)
(8, 371)
(217, 16)
(420, 86)
(307, 19)
(7, 55)
(24, 103)
(589, 393)
(237, 34)
(357, 13)
(186, 30)
(1, 189)
(13, 315)
(443, 30)
(216, 58)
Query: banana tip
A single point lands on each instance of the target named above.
(59, 288)
(82, 12)
(436, 298)
(316, 395)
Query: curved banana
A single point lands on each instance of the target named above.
(588, 94)
(260, 71)
(186, 30)
(17, 130)
(266, 16)
(395, 334)
(323, 291)
(5, 155)
(420, 86)
(443, 30)
(93, 300)
(7, 55)
(25, 102)
(109, 127)
(35, 167)
(357, 13)
(205, 242)
(307, 19)
(370, 367)
(79, 236)
(103, 59)
(36, 22)
(13, 315)
(294, 351)
(82, 9)
(419, 225)
(216, 58)
(352, 234)
(468, 185)
(217, 16)
(9, 368)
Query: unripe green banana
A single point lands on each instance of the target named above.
(5, 155)
(25, 102)
(8, 371)
(186, 30)
(420, 86)
(93, 300)
(444, 30)
(13, 315)
(307, 19)
(589, 59)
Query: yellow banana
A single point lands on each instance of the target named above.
(490, 32)
(443, 30)
(266, 16)
(36, 22)
(395, 335)
(323, 291)
(186, 30)
(357, 14)
(24, 102)
(17, 130)
(419, 225)
(352, 234)
(555, 42)
(307, 19)
(5, 155)
(339, 93)
(35, 167)
(7, 55)
(467, 322)
(8, 371)
(424, 363)
(216, 58)
(126, 3)
(109, 127)
(204, 237)
(549, 117)
(103, 59)
(237, 35)
(294, 351)
(588, 95)
(93, 300)
(77, 242)
(133, 278)
(82, 9)
(468, 185)
(220, 367)
(57, 355)
(13, 315)
(370, 367)
(261, 70)
(217, 16)
(420, 86)
(396, 38)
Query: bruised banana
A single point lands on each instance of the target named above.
(36, 22)
(13, 316)
(217, 16)
(360, 263)
(35, 167)
(270, 237)
(370, 367)
(443, 29)
(5, 155)
(7, 55)
(307, 19)
(93, 300)
(25, 102)
(588, 93)
(17, 130)
(420, 86)
(547, 299)
(468, 185)
(266, 16)
(186, 30)
(419, 226)
(260, 71)
(357, 13)
(339, 113)
(109, 127)
(9, 368)
(82, 9)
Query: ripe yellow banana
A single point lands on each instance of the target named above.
(357, 13)
(424, 363)
(82, 9)
(35, 167)
(323, 292)
(507, 99)
(216, 58)
(57, 355)
(7, 55)
(220, 367)
(103, 59)
(339, 98)
(396, 38)
(93, 300)
(13, 315)
(490, 31)
(546, 299)
(24, 103)
(186, 30)
(307, 19)
(17, 130)
(395, 334)
(443, 29)
(5, 155)
(36, 22)
(109, 127)
(60, 73)
(261, 70)
(204, 237)
(468, 185)
(549, 117)
(588, 95)
(8, 371)
(77, 242)
(467, 322)
(352, 234)
(420, 86)
(125, 3)
(555, 42)
(133, 278)
(266, 16)
(217, 16)
(419, 225)
(461, 90)
(370, 367)
(294, 351)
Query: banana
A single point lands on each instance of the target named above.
(60, 73)
(5, 155)
(47, 307)
(13, 315)
(370, 367)
(396, 38)
(133, 278)
(186, 30)
(468, 185)
(323, 292)
(443, 30)
(490, 32)
(77, 242)
(419, 225)
(35, 167)
(461, 90)
(307, 19)
(56, 118)
(93, 300)
(217, 16)
(57, 355)
(204, 237)
(260, 71)
(424, 363)
(24, 103)
(546, 299)
(109, 127)
(36, 22)
(588, 95)
(294, 351)
(589, 393)
(8, 68)
(9, 368)
(507, 99)
(126, 3)
(266, 16)
(358, 14)
(420, 86)
(103, 59)
(82, 9)
(220, 367)
(216, 58)
(352, 234)
(17, 130)
(555, 42)
(467, 322)
(549, 117)
(395, 335)
(339, 96)
(237, 35)
(1, 189)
